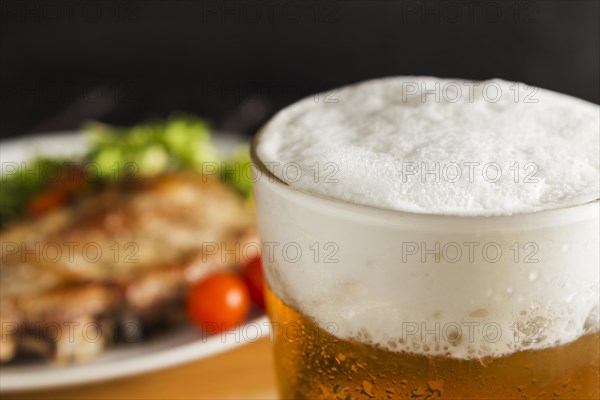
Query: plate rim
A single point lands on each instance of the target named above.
(16, 379)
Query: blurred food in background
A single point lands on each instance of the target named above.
(115, 239)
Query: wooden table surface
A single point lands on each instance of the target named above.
(245, 372)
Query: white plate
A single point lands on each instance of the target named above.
(177, 347)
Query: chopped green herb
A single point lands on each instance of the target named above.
(179, 142)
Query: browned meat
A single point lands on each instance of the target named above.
(127, 252)
(10, 320)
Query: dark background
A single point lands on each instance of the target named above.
(238, 62)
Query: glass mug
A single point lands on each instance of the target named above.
(372, 303)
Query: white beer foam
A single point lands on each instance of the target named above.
(531, 281)
(400, 143)
(376, 291)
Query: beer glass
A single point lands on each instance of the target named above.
(373, 303)
(453, 282)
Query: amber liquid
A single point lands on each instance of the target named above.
(313, 364)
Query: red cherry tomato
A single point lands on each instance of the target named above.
(219, 302)
(253, 275)
(46, 201)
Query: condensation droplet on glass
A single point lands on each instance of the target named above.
(568, 298)
(533, 275)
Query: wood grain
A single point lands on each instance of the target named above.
(242, 373)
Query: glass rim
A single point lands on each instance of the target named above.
(256, 160)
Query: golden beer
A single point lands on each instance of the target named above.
(313, 364)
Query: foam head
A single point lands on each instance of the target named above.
(439, 146)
